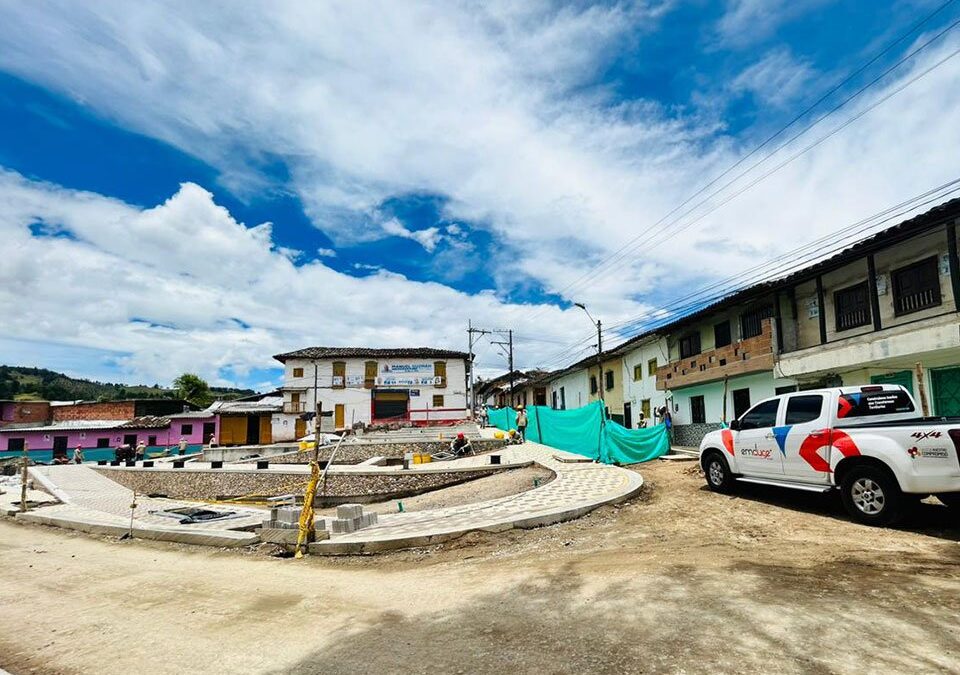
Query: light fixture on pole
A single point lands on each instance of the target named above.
(599, 349)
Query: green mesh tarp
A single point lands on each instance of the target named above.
(584, 431)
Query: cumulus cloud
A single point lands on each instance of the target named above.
(492, 106)
(183, 286)
(326, 253)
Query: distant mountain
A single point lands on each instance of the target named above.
(41, 384)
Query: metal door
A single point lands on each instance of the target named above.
(628, 415)
(946, 391)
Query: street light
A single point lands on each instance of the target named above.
(599, 349)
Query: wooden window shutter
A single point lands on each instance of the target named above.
(440, 370)
(369, 374)
(339, 375)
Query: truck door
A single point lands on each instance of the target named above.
(803, 438)
(754, 442)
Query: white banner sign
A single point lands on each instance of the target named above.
(393, 381)
(407, 368)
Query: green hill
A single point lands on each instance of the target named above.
(25, 384)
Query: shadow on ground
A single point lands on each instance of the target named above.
(751, 618)
(932, 520)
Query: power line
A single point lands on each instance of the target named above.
(632, 243)
(840, 240)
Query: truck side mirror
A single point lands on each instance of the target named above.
(734, 425)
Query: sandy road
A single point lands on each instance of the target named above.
(679, 580)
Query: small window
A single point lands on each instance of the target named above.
(151, 440)
(103, 442)
(440, 371)
(751, 323)
(852, 306)
(721, 334)
(369, 374)
(652, 367)
(637, 373)
(186, 429)
(690, 345)
(298, 372)
(339, 375)
(761, 416)
(608, 380)
(866, 404)
(593, 384)
(916, 287)
(802, 409)
(438, 400)
(698, 410)
(15, 444)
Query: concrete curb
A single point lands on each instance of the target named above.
(222, 538)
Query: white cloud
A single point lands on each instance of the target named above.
(326, 253)
(207, 292)
(748, 22)
(491, 106)
(777, 79)
(428, 237)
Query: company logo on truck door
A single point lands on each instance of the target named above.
(756, 452)
(825, 438)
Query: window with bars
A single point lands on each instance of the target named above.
(298, 372)
(690, 345)
(916, 286)
(852, 306)
(751, 323)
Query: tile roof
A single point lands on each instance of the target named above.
(368, 352)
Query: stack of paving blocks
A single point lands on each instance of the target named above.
(350, 518)
(284, 527)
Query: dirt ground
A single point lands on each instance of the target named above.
(677, 580)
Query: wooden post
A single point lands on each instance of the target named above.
(922, 388)
(726, 380)
(23, 477)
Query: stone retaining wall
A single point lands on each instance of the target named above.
(690, 435)
(354, 453)
(339, 487)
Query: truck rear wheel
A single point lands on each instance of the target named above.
(871, 496)
(717, 472)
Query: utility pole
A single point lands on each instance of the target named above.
(471, 331)
(508, 352)
(599, 359)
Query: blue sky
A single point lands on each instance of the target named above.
(187, 188)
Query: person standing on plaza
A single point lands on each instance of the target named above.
(78, 455)
(522, 422)
(141, 451)
(182, 445)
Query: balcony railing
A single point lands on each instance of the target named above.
(294, 407)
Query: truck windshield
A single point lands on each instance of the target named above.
(866, 404)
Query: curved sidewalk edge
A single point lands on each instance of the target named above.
(576, 490)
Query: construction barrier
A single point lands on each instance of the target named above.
(586, 431)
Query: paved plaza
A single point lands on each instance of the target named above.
(92, 502)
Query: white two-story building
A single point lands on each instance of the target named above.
(345, 385)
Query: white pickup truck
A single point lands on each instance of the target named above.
(867, 441)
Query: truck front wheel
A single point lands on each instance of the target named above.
(717, 472)
(871, 496)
